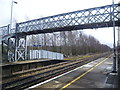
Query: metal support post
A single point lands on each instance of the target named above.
(16, 42)
(1, 53)
(25, 47)
(8, 48)
(114, 45)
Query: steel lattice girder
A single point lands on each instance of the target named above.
(20, 51)
(10, 42)
(83, 19)
(88, 18)
(16, 48)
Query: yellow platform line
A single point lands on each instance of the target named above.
(83, 74)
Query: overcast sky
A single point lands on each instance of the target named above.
(32, 9)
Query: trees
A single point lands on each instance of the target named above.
(70, 43)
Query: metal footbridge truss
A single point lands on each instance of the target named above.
(91, 18)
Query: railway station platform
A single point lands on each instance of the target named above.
(96, 74)
(14, 68)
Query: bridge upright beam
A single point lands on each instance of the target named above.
(11, 49)
(16, 48)
(20, 48)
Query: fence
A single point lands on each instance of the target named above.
(37, 54)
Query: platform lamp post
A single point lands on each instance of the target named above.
(11, 15)
(114, 45)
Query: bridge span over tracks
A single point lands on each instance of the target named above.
(97, 17)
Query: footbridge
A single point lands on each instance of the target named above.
(97, 17)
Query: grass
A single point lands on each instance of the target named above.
(77, 57)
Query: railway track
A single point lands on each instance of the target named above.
(37, 70)
(42, 74)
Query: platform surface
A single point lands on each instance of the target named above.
(91, 75)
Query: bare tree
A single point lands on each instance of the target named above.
(69, 43)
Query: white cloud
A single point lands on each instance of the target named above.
(104, 35)
(4, 12)
(37, 8)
